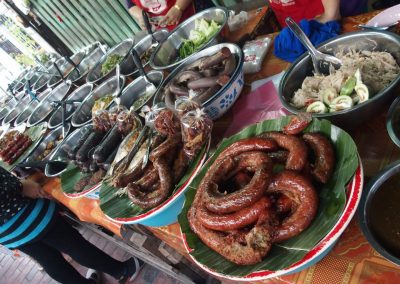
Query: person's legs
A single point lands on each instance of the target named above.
(54, 263)
(65, 238)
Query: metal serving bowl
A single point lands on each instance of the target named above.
(65, 68)
(141, 47)
(7, 108)
(41, 83)
(83, 114)
(35, 77)
(79, 78)
(15, 112)
(3, 112)
(81, 93)
(21, 76)
(26, 113)
(137, 89)
(393, 122)
(55, 119)
(44, 109)
(361, 40)
(371, 192)
(60, 153)
(166, 56)
(96, 77)
(219, 103)
(77, 57)
(19, 86)
(52, 136)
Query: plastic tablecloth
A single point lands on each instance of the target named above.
(352, 260)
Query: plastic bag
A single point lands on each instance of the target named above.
(254, 53)
(196, 130)
(150, 113)
(127, 121)
(101, 121)
(236, 22)
(167, 123)
(115, 111)
(185, 104)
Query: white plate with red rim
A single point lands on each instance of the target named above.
(339, 199)
(353, 195)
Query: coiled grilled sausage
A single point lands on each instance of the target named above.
(246, 145)
(161, 191)
(304, 203)
(233, 221)
(297, 157)
(218, 202)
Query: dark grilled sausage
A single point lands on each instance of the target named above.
(237, 220)
(297, 157)
(304, 201)
(325, 156)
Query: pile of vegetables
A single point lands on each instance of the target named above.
(201, 34)
(110, 63)
(353, 91)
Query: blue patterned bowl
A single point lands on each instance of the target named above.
(221, 102)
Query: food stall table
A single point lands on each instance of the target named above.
(352, 259)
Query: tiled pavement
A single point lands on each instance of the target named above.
(21, 269)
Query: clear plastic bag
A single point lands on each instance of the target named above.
(127, 121)
(196, 130)
(185, 104)
(167, 122)
(254, 54)
(115, 111)
(236, 22)
(101, 121)
(150, 113)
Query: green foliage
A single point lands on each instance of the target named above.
(24, 59)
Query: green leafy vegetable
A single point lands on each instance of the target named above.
(110, 63)
(201, 34)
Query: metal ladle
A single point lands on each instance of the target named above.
(63, 104)
(149, 30)
(321, 61)
(150, 88)
(59, 71)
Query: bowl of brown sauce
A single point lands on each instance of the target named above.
(380, 212)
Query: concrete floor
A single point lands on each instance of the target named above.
(20, 269)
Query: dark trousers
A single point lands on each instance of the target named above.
(62, 237)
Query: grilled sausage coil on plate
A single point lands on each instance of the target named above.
(243, 205)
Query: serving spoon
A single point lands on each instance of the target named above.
(149, 30)
(321, 61)
(150, 87)
(378, 28)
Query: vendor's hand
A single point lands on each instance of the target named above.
(136, 13)
(33, 190)
(171, 18)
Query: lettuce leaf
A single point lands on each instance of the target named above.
(201, 34)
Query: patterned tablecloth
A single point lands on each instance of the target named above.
(352, 260)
